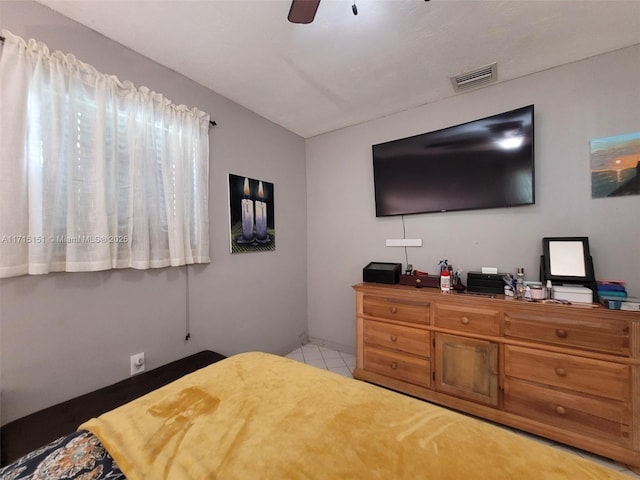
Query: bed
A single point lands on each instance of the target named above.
(23, 435)
(257, 415)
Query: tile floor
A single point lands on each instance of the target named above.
(344, 363)
(338, 362)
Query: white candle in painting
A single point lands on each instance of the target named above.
(247, 213)
(261, 215)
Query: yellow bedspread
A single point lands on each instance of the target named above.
(259, 416)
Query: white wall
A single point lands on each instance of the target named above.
(65, 334)
(594, 98)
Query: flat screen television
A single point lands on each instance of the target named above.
(485, 163)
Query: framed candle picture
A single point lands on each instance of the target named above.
(251, 215)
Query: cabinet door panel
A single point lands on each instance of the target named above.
(467, 368)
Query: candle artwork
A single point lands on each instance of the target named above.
(251, 214)
(247, 214)
(261, 216)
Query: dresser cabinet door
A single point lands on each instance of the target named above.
(467, 368)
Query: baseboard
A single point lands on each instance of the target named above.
(289, 348)
(303, 339)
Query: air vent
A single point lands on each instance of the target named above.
(475, 78)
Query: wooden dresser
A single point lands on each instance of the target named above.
(570, 373)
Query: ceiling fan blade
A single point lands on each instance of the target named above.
(303, 11)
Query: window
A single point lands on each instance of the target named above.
(96, 173)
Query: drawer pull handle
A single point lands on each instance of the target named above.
(394, 365)
(464, 320)
(560, 410)
(560, 333)
(393, 309)
(493, 371)
(561, 372)
(394, 338)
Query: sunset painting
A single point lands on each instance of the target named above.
(615, 166)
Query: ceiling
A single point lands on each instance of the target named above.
(343, 69)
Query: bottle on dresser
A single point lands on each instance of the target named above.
(445, 281)
(445, 276)
(520, 283)
(548, 290)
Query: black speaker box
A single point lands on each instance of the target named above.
(485, 282)
(382, 272)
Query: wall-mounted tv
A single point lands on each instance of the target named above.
(485, 163)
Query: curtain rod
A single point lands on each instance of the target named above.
(212, 123)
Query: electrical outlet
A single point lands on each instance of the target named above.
(137, 363)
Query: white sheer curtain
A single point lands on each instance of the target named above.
(95, 173)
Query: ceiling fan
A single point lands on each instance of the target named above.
(303, 11)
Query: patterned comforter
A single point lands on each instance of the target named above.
(78, 456)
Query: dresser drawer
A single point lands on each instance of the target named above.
(600, 335)
(396, 309)
(607, 419)
(397, 337)
(467, 319)
(398, 365)
(585, 375)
